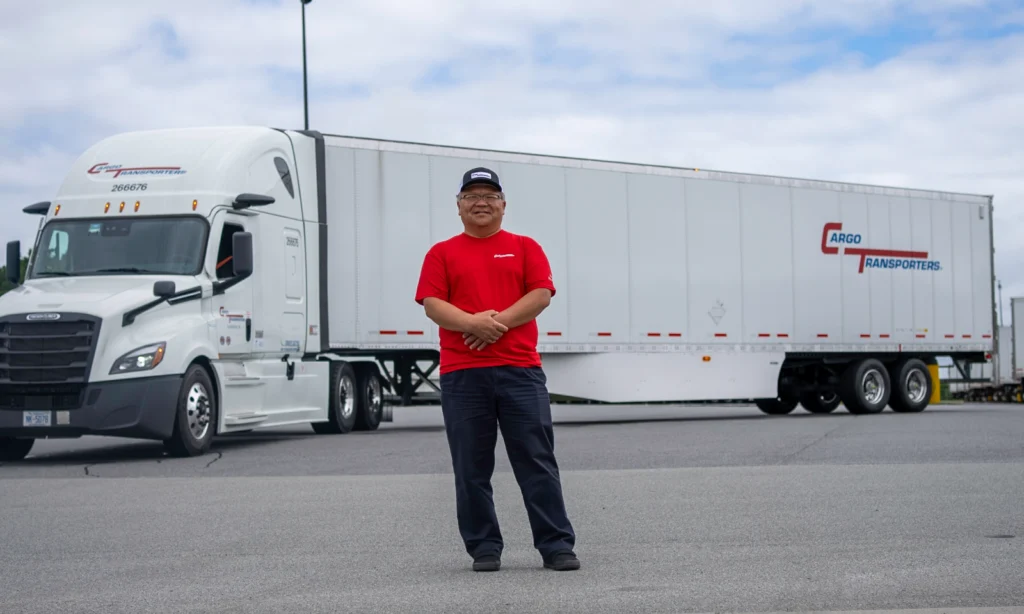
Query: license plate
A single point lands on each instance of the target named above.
(35, 418)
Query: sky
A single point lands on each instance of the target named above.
(912, 93)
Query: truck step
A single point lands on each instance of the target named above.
(243, 381)
(243, 419)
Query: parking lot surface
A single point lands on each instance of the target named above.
(677, 509)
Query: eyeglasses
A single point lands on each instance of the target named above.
(475, 198)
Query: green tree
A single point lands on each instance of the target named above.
(6, 285)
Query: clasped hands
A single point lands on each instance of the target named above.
(484, 330)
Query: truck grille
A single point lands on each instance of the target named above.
(44, 364)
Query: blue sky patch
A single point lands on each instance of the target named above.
(476, 63)
(167, 38)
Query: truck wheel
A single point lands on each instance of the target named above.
(775, 407)
(195, 419)
(14, 448)
(865, 387)
(820, 402)
(371, 400)
(913, 386)
(341, 403)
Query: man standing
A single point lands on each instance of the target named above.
(484, 288)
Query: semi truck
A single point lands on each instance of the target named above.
(1013, 380)
(187, 283)
(1001, 380)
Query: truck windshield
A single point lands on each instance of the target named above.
(167, 246)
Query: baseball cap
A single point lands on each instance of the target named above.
(480, 175)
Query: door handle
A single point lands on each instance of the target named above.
(248, 329)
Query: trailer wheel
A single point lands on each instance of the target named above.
(371, 398)
(820, 403)
(14, 448)
(775, 407)
(865, 387)
(195, 420)
(341, 403)
(913, 386)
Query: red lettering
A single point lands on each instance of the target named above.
(825, 249)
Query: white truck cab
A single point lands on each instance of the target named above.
(167, 297)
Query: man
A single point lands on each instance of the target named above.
(484, 288)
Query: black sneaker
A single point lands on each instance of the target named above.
(487, 562)
(562, 561)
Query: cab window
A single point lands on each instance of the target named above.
(225, 268)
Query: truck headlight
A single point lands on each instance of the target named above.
(141, 359)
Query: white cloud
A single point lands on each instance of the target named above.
(641, 86)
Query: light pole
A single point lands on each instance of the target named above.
(305, 87)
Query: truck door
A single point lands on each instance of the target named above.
(232, 310)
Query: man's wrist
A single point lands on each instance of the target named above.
(464, 320)
(502, 317)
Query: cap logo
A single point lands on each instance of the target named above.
(480, 175)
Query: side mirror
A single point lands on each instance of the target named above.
(14, 262)
(241, 252)
(244, 201)
(163, 289)
(38, 208)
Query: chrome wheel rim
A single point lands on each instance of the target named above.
(374, 398)
(346, 397)
(917, 386)
(873, 386)
(198, 411)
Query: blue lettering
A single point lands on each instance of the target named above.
(902, 264)
(845, 237)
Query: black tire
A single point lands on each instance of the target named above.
(342, 401)
(195, 418)
(370, 398)
(820, 402)
(865, 387)
(912, 386)
(775, 407)
(15, 448)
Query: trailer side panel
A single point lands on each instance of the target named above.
(679, 259)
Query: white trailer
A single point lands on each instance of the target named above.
(1017, 342)
(1004, 355)
(192, 282)
(1000, 380)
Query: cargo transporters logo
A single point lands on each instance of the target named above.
(832, 237)
(118, 171)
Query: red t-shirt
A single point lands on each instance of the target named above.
(479, 274)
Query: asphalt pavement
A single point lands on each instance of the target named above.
(677, 509)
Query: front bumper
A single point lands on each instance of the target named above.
(137, 408)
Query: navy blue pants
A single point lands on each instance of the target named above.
(475, 402)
